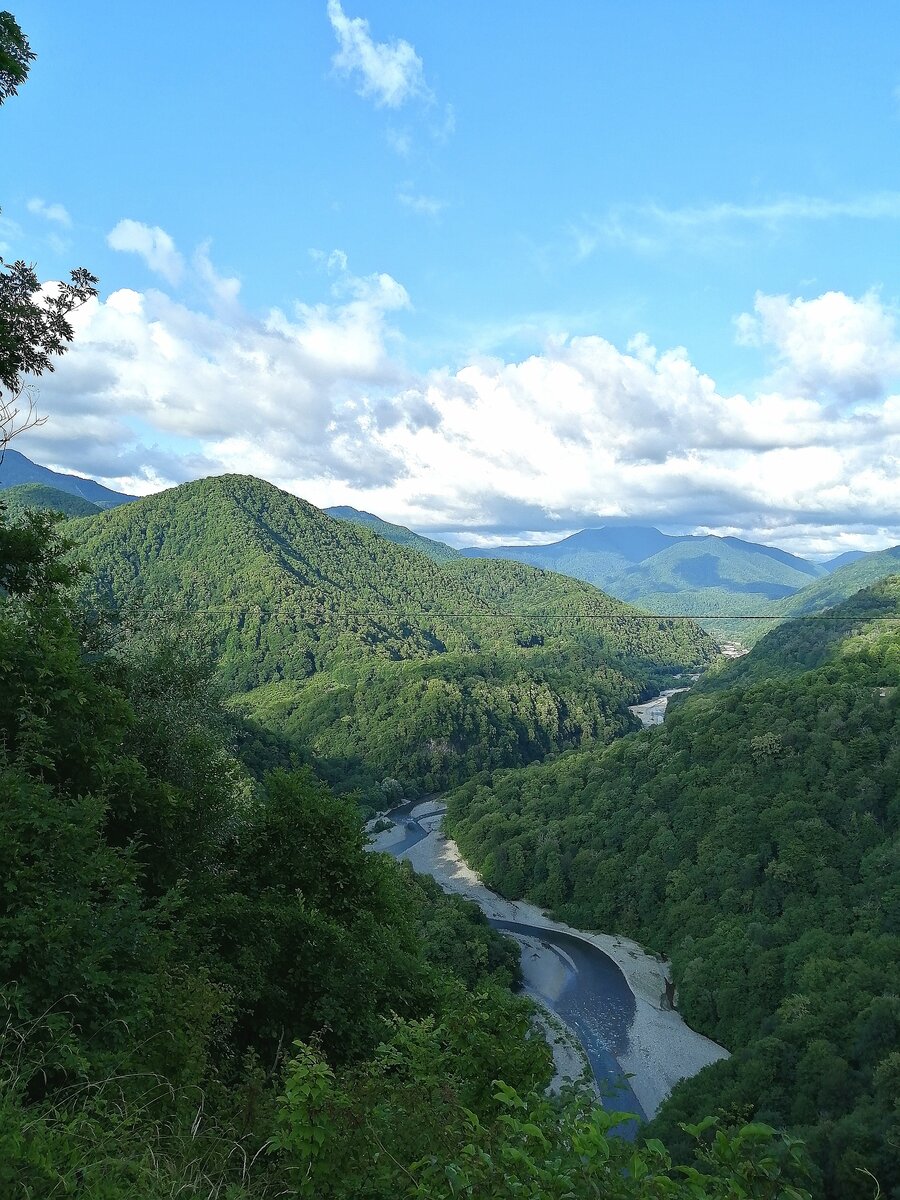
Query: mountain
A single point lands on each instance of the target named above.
(26, 496)
(842, 560)
(702, 576)
(369, 657)
(394, 533)
(595, 555)
(16, 469)
(754, 839)
(862, 570)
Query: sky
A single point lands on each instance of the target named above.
(494, 271)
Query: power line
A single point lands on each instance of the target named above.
(256, 610)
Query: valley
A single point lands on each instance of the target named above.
(449, 602)
(607, 990)
(339, 657)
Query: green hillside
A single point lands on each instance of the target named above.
(709, 578)
(394, 533)
(860, 572)
(372, 659)
(755, 839)
(16, 469)
(723, 564)
(38, 496)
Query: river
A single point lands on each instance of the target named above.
(606, 990)
(577, 982)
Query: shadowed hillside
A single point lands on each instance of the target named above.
(370, 657)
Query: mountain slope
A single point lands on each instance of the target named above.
(369, 656)
(394, 533)
(843, 582)
(701, 576)
(27, 496)
(754, 839)
(15, 468)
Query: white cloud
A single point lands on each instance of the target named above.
(389, 72)
(833, 345)
(154, 246)
(428, 206)
(317, 400)
(50, 212)
(650, 228)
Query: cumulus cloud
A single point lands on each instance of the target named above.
(390, 73)
(316, 398)
(152, 244)
(832, 345)
(50, 212)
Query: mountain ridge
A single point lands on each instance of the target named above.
(368, 655)
(16, 469)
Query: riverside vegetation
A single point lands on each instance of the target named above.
(754, 839)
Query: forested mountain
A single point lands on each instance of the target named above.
(394, 533)
(208, 988)
(841, 560)
(38, 496)
(671, 574)
(369, 657)
(754, 838)
(15, 469)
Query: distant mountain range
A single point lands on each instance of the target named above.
(16, 469)
(721, 581)
(638, 560)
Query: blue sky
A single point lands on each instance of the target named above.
(541, 184)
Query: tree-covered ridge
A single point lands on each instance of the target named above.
(208, 987)
(755, 839)
(394, 533)
(38, 496)
(373, 659)
(843, 582)
(700, 576)
(16, 469)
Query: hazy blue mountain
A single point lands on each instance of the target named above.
(862, 571)
(25, 496)
(842, 560)
(16, 468)
(399, 534)
(674, 574)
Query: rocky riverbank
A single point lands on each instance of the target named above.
(662, 1049)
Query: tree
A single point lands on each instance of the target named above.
(16, 56)
(34, 323)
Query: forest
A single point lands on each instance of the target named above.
(367, 660)
(209, 988)
(754, 840)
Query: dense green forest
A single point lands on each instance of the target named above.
(754, 839)
(209, 988)
(367, 658)
(840, 584)
(39, 496)
(394, 533)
